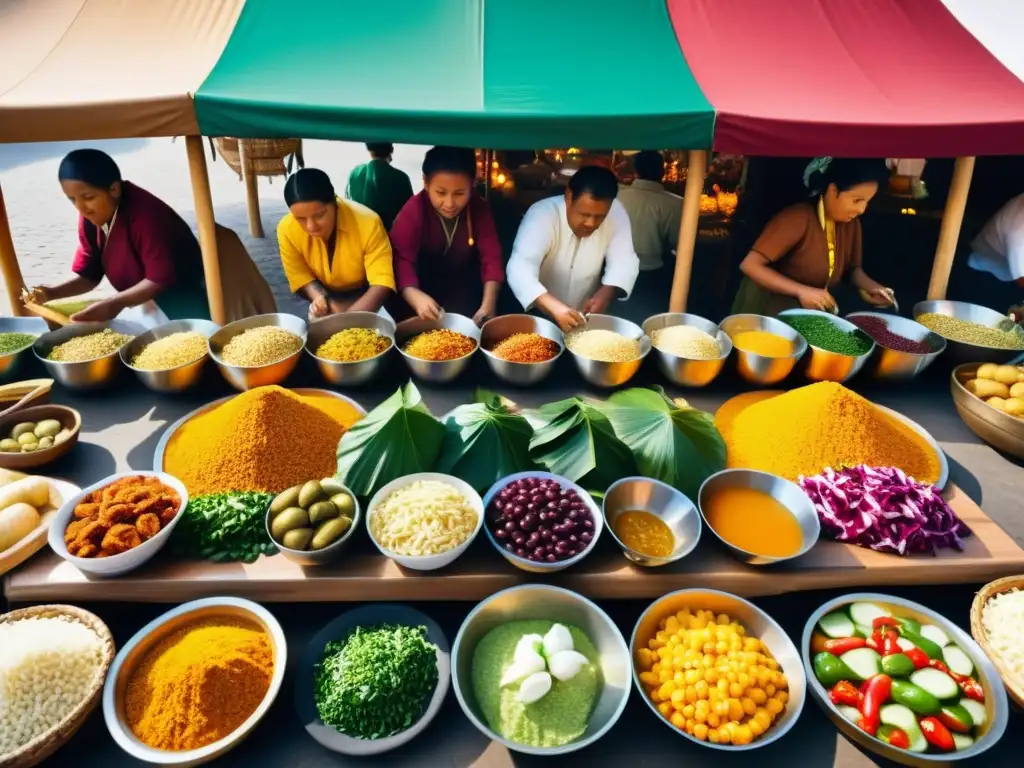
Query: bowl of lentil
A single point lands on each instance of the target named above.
(972, 332)
(652, 522)
(765, 349)
(258, 351)
(171, 357)
(16, 335)
(903, 348)
(838, 348)
(350, 348)
(194, 682)
(521, 349)
(85, 355)
(608, 350)
(437, 350)
(690, 350)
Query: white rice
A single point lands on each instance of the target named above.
(686, 341)
(1003, 620)
(604, 346)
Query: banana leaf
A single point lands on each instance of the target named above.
(399, 437)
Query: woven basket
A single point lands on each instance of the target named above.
(45, 744)
(1014, 684)
(267, 157)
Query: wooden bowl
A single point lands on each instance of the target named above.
(45, 744)
(1000, 430)
(69, 418)
(1014, 683)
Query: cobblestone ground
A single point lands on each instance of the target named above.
(44, 223)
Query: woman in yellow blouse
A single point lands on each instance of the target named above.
(334, 252)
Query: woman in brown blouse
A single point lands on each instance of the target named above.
(807, 248)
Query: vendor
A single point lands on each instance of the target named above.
(135, 240)
(574, 253)
(334, 252)
(999, 247)
(378, 185)
(443, 239)
(806, 250)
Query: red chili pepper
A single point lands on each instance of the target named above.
(841, 645)
(889, 644)
(870, 727)
(876, 693)
(952, 723)
(885, 621)
(919, 657)
(899, 739)
(937, 664)
(972, 688)
(875, 641)
(845, 692)
(936, 734)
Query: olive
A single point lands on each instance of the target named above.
(47, 428)
(27, 438)
(321, 511)
(345, 503)
(45, 442)
(330, 532)
(22, 428)
(29, 447)
(9, 445)
(285, 499)
(310, 494)
(297, 538)
(293, 517)
(61, 436)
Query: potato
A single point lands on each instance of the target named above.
(16, 522)
(31, 490)
(986, 388)
(996, 402)
(987, 371)
(1017, 390)
(1014, 406)
(1006, 374)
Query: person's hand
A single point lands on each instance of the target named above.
(600, 301)
(335, 307)
(485, 313)
(566, 317)
(878, 297)
(817, 298)
(38, 295)
(318, 308)
(423, 304)
(96, 313)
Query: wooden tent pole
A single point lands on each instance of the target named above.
(949, 232)
(207, 225)
(13, 281)
(252, 195)
(696, 166)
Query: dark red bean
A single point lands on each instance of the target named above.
(878, 329)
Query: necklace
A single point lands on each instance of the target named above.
(830, 237)
(449, 235)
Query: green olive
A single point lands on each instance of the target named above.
(47, 428)
(322, 510)
(293, 517)
(285, 499)
(7, 445)
(61, 436)
(45, 442)
(297, 538)
(330, 532)
(22, 428)
(29, 447)
(345, 503)
(331, 486)
(27, 438)
(310, 494)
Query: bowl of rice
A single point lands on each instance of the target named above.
(437, 350)
(171, 357)
(690, 350)
(350, 348)
(85, 355)
(424, 521)
(608, 350)
(258, 351)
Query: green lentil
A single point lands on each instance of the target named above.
(12, 342)
(955, 329)
(822, 333)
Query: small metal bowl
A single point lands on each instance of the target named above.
(170, 379)
(960, 352)
(69, 419)
(783, 491)
(355, 373)
(245, 377)
(543, 602)
(757, 624)
(87, 374)
(759, 369)
(825, 365)
(664, 502)
(498, 329)
(36, 326)
(686, 371)
(602, 374)
(1000, 430)
(444, 370)
(317, 556)
(894, 364)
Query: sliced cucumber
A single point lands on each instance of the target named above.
(863, 662)
(962, 741)
(935, 634)
(957, 660)
(866, 613)
(901, 717)
(859, 630)
(978, 712)
(850, 713)
(904, 644)
(937, 683)
(836, 624)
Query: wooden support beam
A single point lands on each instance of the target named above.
(252, 195)
(207, 226)
(949, 232)
(13, 281)
(697, 161)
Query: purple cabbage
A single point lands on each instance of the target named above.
(882, 509)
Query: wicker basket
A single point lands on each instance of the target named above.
(267, 157)
(1014, 684)
(45, 744)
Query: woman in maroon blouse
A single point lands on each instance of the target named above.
(442, 238)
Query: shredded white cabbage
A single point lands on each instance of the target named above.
(1003, 620)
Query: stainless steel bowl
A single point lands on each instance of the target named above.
(960, 352)
(758, 369)
(323, 556)
(498, 329)
(349, 374)
(894, 364)
(685, 371)
(823, 365)
(783, 491)
(243, 377)
(602, 374)
(985, 673)
(664, 502)
(89, 374)
(543, 602)
(34, 325)
(446, 370)
(172, 379)
(1000, 430)
(757, 624)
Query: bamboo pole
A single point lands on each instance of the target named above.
(695, 168)
(13, 281)
(206, 224)
(949, 232)
(252, 195)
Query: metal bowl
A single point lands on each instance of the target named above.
(1000, 430)
(685, 371)
(892, 363)
(960, 352)
(759, 369)
(985, 673)
(170, 379)
(543, 602)
(88, 374)
(323, 556)
(602, 374)
(34, 325)
(349, 374)
(757, 624)
(824, 365)
(69, 419)
(428, 370)
(783, 491)
(498, 329)
(664, 502)
(244, 377)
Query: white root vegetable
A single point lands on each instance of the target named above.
(16, 522)
(30, 490)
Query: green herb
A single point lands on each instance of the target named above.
(224, 527)
(377, 682)
(12, 342)
(821, 332)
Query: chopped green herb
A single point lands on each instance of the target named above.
(224, 527)
(12, 342)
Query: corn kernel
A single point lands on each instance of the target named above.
(781, 681)
(700, 731)
(735, 690)
(666, 689)
(690, 724)
(689, 711)
(678, 696)
(671, 624)
(721, 647)
(770, 690)
(743, 735)
(724, 737)
(691, 676)
(665, 707)
(723, 619)
(691, 693)
(782, 696)
(774, 706)
(714, 720)
(758, 696)
(723, 685)
(763, 717)
(756, 729)
(678, 720)
(702, 689)
(649, 678)
(735, 709)
(749, 707)
(713, 735)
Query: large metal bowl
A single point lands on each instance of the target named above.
(685, 371)
(759, 369)
(757, 624)
(602, 374)
(543, 602)
(1000, 430)
(985, 673)
(349, 374)
(428, 370)
(171, 379)
(498, 329)
(88, 374)
(664, 502)
(889, 363)
(34, 325)
(244, 377)
(824, 365)
(960, 352)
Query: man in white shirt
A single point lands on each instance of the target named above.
(999, 247)
(574, 254)
(654, 212)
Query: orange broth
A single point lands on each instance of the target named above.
(753, 521)
(645, 533)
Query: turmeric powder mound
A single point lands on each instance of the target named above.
(266, 439)
(823, 425)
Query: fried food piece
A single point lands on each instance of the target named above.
(87, 550)
(120, 538)
(117, 512)
(148, 525)
(86, 509)
(90, 532)
(120, 516)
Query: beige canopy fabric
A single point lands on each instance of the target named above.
(95, 69)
